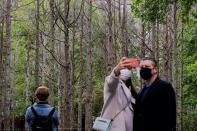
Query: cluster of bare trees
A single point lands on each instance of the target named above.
(63, 43)
(5, 63)
(162, 44)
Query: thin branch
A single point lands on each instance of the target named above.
(53, 55)
(60, 27)
(50, 36)
(75, 20)
(59, 14)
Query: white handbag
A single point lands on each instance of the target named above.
(102, 124)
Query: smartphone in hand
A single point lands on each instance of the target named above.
(132, 62)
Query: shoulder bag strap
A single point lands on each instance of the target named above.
(34, 111)
(123, 107)
(51, 112)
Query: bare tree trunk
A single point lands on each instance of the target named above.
(27, 79)
(110, 42)
(60, 84)
(89, 101)
(174, 65)
(1, 69)
(72, 70)
(143, 48)
(81, 81)
(153, 39)
(174, 46)
(52, 64)
(36, 75)
(115, 30)
(166, 57)
(181, 80)
(7, 123)
(157, 49)
(124, 32)
(27, 87)
(68, 94)
(43, 59)
(13, 82)
(2, 87)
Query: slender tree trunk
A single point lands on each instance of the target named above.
(13, 82)
(181, 79)
(43, 60)
(115, 30)
(52, 64)
(110, 42)
(27, 87)
(60, 84)
(174, 46)
(174, 65)
(153, 39)
(27, 79)
(143, 48)
(7, 123)
(166, 56)
(67, 73)
(1, 73)
(157, 49)
(72, 73)
(1, 42)
(89, 102)
(124, 31)
(81, 81)
(36, 75)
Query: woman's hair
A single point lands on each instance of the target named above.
(42, 93)
(128, 83)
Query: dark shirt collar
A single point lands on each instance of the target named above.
(45, 102)
(155, 81)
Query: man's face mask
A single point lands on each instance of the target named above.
(145, 73)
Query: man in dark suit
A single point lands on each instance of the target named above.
(155, 108)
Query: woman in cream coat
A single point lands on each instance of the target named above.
(117, 95)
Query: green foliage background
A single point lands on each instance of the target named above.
(23, 38)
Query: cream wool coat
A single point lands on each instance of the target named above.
(116, 96)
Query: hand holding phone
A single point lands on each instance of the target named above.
(132, 62)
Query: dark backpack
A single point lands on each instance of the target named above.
(42, 123)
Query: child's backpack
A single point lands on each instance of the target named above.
(42, 123)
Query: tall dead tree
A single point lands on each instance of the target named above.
(124, 32)
(110, 47)
(166, 48)
(52, 64)
(89, 99)
(67, 88)
(153, 42)
(174, 63)
(81, 81)
(143, 38)
(157, 49)
(1, 63)
(7, 94)
(27, 87)
(36, 74)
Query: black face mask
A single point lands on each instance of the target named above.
(145, 73)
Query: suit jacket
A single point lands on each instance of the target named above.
(155, 108)
(116, 97)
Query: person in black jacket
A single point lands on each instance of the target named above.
(155, 108)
